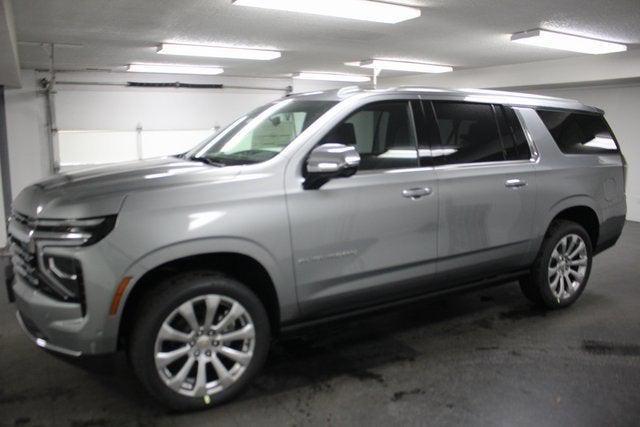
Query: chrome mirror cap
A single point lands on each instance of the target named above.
(331, 158)
(329, 161)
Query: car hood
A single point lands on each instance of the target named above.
(101, 191)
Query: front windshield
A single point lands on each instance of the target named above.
(261, 134)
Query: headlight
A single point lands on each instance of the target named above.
(74, 232)
(38, 246)
(62, 273)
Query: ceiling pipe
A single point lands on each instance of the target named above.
(177, 85)
(48, 90)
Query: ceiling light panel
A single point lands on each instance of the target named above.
(354, 78)
(414, 67)
(174, 69)
(363, 10)
(561, 41)
(218, 52)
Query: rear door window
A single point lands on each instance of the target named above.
(468, 133)
(579, 133)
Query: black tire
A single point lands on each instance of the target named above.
(536, 285)
(163, 300)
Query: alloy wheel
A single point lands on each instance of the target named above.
(204, 345)
(567, 266)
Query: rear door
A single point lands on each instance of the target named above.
(487, 185)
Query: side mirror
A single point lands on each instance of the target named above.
(329, 161)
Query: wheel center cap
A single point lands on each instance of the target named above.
(202, 343)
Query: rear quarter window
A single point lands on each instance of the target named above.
(579, 133)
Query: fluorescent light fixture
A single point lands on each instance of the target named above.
(417, 67)
(174, 69)
(332, 77)
(363, 10)
(218, 52)
(553, 40)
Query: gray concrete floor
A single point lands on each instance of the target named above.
(484, 358)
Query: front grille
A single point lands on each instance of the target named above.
(21, 219)
(25, 265)
(24, 260)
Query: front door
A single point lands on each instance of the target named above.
(372, 236)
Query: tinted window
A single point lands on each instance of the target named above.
(468, 133)
(515, 143)
(382, 133)
(579, 133)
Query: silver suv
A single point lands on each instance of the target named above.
(313, 206)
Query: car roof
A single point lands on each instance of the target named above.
(468, 95)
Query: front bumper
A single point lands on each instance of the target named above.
(33, 333)
(49, 323)
(75, 326)
(62, 326)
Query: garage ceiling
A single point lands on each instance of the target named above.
(462, 33)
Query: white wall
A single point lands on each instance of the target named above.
(157, 112)
(26, 132)
(621, 104)
(123, 108)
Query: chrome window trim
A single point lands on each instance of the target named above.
(369, 172)
(484, 164)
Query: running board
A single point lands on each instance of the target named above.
(297, 326)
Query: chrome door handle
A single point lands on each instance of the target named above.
(514, 183)
(416, 193)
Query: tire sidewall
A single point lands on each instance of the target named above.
(565, 228)
(182, 289)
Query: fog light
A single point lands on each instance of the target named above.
(65, 274)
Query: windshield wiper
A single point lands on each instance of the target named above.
(208, 161)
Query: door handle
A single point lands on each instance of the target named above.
(416, 193)
(514, 183)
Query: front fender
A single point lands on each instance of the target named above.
(282, 278)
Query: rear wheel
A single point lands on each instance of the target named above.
(199, 340)
(561, 270)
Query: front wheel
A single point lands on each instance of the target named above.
(561, 270)
(199, 340)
